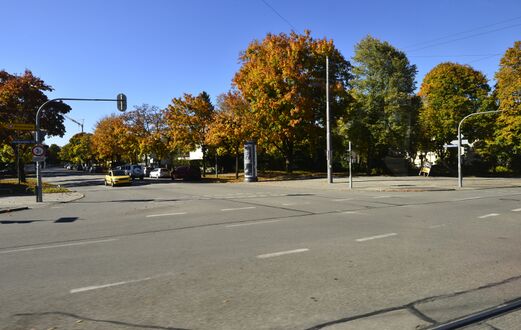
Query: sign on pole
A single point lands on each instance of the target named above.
(23, 142)
(19, 126)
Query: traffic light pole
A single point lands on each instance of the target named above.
(122, 106)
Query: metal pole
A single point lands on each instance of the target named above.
(460, 175)
(350, 167)
(328, 128)
(39, 140)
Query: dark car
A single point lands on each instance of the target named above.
(187, 173)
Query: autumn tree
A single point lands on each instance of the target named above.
(20, 98)
(147, 127)
(231, 126)
(508, 91)
(449, 92)
(282, 78)
(188, 119)
(379, 120)
(109, 139)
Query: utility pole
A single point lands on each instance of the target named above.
(328, 129)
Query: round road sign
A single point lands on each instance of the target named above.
(38, 150)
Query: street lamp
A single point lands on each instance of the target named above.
(460, 177)
(121, 100)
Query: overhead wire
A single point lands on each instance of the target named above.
(280, 15)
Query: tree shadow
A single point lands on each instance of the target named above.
(23, 222)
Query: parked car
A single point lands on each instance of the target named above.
(160, 172)
(96, 169)
(147, 170)
(186, 173)
(135, 171)
(117, 177)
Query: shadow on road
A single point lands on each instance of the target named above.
(59, 220)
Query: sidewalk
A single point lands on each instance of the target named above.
(401, 184)
(17, 203)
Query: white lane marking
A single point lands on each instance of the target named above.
(342, 199)
(164, 214)
(488, 215)
(238, 208)
(351, 212)
(375, 237)
(277, 254)
(96, 287)
(251, 223)
(437, 226)
(58, 246)
(290, 204)
(468, 198)
(381, 196)
(516, 210)
(57, 207)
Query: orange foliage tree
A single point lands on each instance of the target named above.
(283, 79)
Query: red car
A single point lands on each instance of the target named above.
(186, 173)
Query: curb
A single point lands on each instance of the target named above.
(14, 209)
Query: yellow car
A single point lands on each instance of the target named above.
(117, 177)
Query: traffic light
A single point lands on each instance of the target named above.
(122, 102)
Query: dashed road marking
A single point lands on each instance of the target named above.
(342, 199)
(516, 210)
(238, 208)
(375, 237)
(488, 215)
(277, 254)
(165, 214)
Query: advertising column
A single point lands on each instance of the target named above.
(250, 161)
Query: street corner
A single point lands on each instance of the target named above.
(62, 197)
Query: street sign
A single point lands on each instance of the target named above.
(38, 150)
(19, 126)
(23, 142)
(39, 158)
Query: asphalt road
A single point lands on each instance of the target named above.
(174, 255)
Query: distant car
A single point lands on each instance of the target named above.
(186, 173)
(147, 170)
(160, 172)
(117, 177)
(135, 171)
(96, 169)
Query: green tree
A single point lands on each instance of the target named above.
(79, 150)
(381, 118)
(53, 154)
(282, 78)
(188, 119)
(449, 92)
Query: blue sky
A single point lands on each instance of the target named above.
(156, 50)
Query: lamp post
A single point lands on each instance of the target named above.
(460, 176)
(328, 129)
(121, 100)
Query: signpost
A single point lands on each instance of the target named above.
(19, 126)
